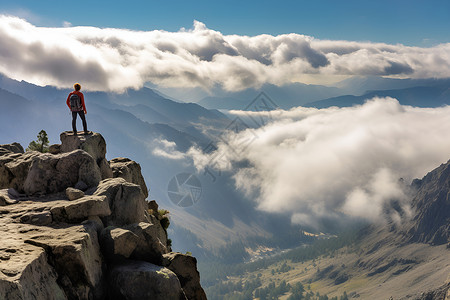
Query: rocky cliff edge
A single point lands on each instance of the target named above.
(75, 226)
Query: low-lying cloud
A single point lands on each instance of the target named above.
(117, 59)
(318, 164)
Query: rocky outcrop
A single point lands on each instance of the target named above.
(67, 234)
(127, 279)
(130, 171)
(11, 148)
(43, 173)
(92, 143)
(442, 293)
(185, 266)
(126, 201)
(431, 223)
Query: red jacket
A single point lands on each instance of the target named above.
(80, 94)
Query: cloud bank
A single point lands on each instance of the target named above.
(318, 164)
(117, 59)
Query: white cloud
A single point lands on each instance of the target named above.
(167, 149)
(319, 163)
(117, 59)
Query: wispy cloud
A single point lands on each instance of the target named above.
(167, 149)
(117, 59)
(318, 164)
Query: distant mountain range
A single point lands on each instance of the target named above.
(420, 96)
(355, 90)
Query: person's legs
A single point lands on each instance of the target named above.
(83, 118)
(74, 122)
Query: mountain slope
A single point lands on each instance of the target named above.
(407, 260)
(431, 224)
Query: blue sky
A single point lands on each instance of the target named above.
(413, 23)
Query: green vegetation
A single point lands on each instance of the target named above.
(252, 289)
(41, 144)
(217, 273)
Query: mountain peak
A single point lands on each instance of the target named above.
(431, 223)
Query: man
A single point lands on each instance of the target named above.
(75, 102)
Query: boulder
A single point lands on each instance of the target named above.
(14, 169)
(75, 255)
(74, 194)
(54, 173)
(93, 143)
(130, 171)
(118, 242)
(126, 201)
(127, 279)
(81, 209)
(8, 196)
(80, 185)
(37, 218)
(153, 206)
(54, 149)
(60, 261)
(11, 148)
(185, 267)
(26, 274)
(152, 242)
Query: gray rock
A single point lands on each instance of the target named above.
(185, 267)
(76, 257)
(96, 222)
(37, 218)
(54, 149)
(137, 280)
(45, 253)
(152, 242)
(94, 144)
(8, 196)
(26, 274)
(118, 242)
(130, 171)
(81, 209)
(14, 169)
(54, 173)
(153, 206)
(74, 194)
(125, 199)
(14, 148)
(80, 185)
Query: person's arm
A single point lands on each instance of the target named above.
(68, 100)
(82, 103)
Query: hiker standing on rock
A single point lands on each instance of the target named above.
(75, 102)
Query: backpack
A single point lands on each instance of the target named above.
(75, 102)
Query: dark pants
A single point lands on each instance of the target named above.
(74, 120)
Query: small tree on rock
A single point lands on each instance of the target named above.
(41, 144)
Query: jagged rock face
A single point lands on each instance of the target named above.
(11, 148)
(130, 171)
(34, 172)
(126, 201)
(127, 278)
(93, 143)
(431, 223)
(185, 266)
(57, 242)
